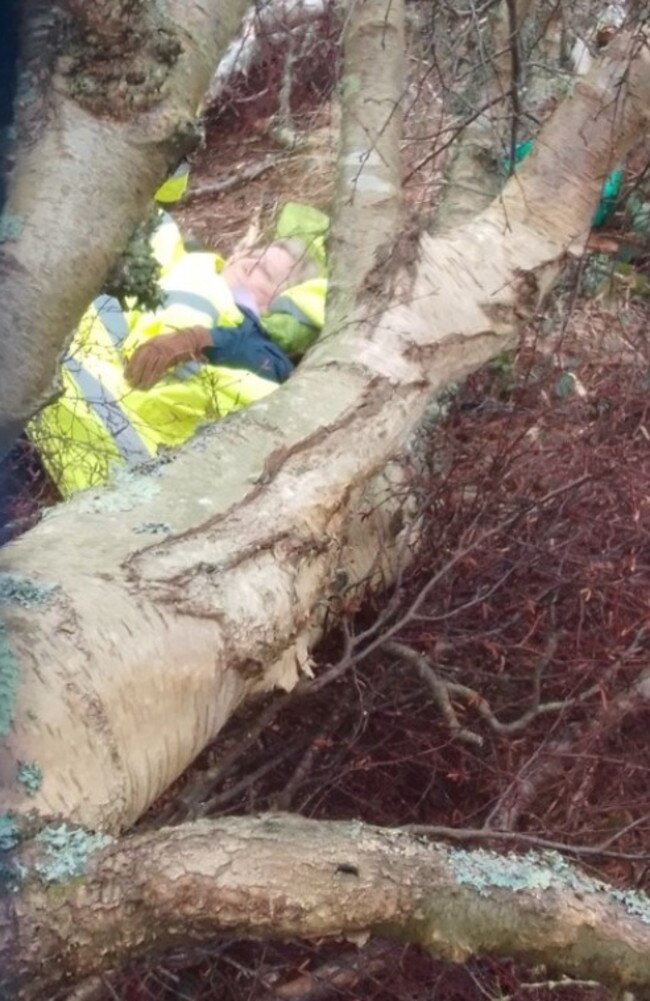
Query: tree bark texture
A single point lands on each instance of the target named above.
(122, 654)
(96, 138)
(285, 877)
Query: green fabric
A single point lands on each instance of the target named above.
(289, 333)
(608, 195)
(295, 318)
(305, 223)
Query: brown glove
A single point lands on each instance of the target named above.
(151, 360)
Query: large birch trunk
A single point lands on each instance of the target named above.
(93, 146)
(122, 658)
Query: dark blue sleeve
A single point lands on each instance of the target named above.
(248, 347)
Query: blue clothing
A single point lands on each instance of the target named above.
(247, 346)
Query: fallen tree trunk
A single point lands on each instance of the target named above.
(284, 877)
(121, 660)
(265, 29)
(93, 146)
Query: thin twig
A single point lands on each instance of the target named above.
(443, 690)
(439, 689)
(284, 799)
(460, 554)
(243, 175)
(191, 798)
(480, 834)
(340, 974)
(250, 778)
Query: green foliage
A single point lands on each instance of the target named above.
(503, 367)
(597, 270)
(349, 86)
(564, 385)
(638, 212)
(134, 281)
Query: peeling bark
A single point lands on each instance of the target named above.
(286, 877)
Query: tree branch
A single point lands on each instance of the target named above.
(283, 877)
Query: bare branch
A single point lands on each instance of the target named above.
(285, 877)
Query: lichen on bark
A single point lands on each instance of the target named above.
(119, 55)
(9, 676)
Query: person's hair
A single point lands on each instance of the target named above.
(305, 268)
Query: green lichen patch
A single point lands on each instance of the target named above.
(128, 489)
(635, 903)
(25, 591)
(9, 678)
(486, 871)
(136, 275)
(11, 227)
(10, 871)
(67, 851)
(30, 776)
(9, 833)
(153, 528)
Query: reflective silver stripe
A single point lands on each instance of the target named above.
(283, 304)
(112, 317)
(107, 409)
(182, 170)
(178, 297)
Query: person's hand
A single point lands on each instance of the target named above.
(150, 361)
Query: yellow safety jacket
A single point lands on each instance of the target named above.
(99, 421)
(296, 317)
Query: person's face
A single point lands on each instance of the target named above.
(264, 274)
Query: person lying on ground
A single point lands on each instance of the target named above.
(133, 383)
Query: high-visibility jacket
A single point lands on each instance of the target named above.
(296, 317)
(173, 189)
(99, 421)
